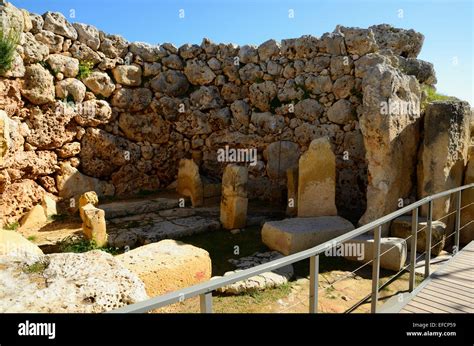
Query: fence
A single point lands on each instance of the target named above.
(204, 290)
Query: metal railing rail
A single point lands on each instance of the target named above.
(204, 290)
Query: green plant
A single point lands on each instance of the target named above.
(78, 245)
(85, 69)
(32, 238)
(12, 226)
(37, 267)
(8, 43)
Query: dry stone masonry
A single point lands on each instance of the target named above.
(335, 126)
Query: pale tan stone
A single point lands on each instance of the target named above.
(93, 224)
(49, 205)
(290, 236)
(86, 198)
(34, 218)
(14, 244)
(467, 214)
(317, 180)
(234, 202)
(4, 135)
(167, 266)
(401, 228)
(292, 186)
(189, 182)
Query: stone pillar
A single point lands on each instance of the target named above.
(93, 224)
(234, 197)
(86, 198)
(443, 155)
(189, 182)
(292, 188)
(389, 122)
(317, 180)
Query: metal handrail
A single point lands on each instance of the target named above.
(205, 289)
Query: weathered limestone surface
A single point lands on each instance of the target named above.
(317, 180)
(393, 251)
(401, 228)
(297, 234)
(167, 266)
(189, 182)
(13, 244)
(259, 282)
(390, 126)
(93, 224)
(35, 217)
(292, 186)
(234, 199)
(443, 154)
(467, 214)
(91, 282)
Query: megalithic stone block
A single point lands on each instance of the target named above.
(292, 188)
(4, 135)
(234, 200)
(317, 180)
(189, 182)
(93, 224)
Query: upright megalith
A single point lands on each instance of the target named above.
(389, 123)
(443, 154)
(189, 182)
(317, 180)
(234, 199)
(292, 188)
(93, 219)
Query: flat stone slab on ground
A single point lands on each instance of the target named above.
(265, 280)
(289, 236)
(125, 208)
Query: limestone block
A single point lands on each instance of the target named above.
(93, 224)
(401, 228)
(292, 186)
(86, 198)
(189, 182)
(443, 154)
(49, 205)
(234, 200)
(317, 180)
(34, 218)
(167, 266)
(395, 248)
(4, 135)
(297, 234)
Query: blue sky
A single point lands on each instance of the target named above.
(447, 25)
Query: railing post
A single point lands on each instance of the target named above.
(428, 239)
(414, 230)
(206, 302)
(376, 269)
(458, 222)
(313, 284)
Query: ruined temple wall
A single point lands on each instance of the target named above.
(118, 116)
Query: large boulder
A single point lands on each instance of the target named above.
(38, 85)
(144, 127)
(280, 157)
(129, 75)
(100, 83)
(389, 123)
(133, 100)
(88, 34)
(443, 154)
(401, 228)
(406, 43)
(93, 224)
(91, 282)
(293, 235)
(72, 184)
(68, 66)
(167, 266)
(57, 23)
(317, 180)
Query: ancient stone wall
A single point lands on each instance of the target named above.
(88, 110)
